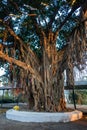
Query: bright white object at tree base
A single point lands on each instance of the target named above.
(25, 116)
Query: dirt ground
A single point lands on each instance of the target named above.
(6, 124)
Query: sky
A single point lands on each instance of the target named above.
(2, 71)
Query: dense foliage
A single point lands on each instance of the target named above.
(24, 16)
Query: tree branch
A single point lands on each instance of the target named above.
(14, 4)
(22, 65)
(22, 43)
(53, 18)
(38, 29)
(65, 20)
(69, 15)
(32, 57)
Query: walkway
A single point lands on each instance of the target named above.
(82, 108)
(81, 124)
(6, 124)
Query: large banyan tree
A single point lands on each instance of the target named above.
(40, 39)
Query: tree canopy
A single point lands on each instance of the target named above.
(31, 20)
(26, 16)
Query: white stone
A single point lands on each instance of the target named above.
(24, 116)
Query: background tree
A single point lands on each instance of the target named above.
(43, 38)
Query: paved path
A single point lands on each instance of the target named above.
(6, 124)
(82, 108)
(81, 124)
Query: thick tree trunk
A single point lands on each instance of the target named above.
(54, 92)
(49, 96)
(53, 82)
